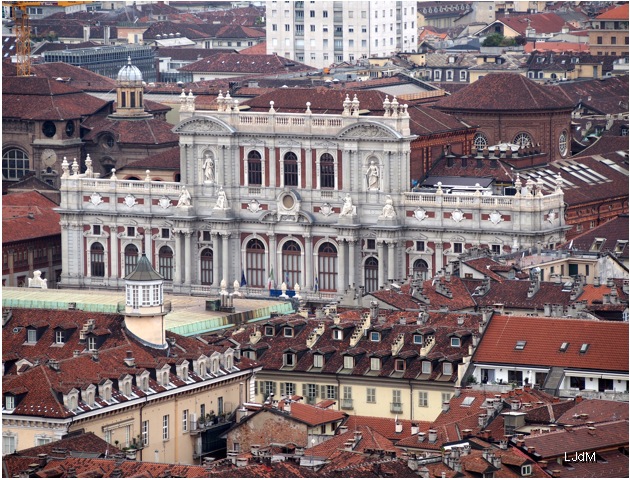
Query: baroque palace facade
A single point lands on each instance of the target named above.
(321, 200)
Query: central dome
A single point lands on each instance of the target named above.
(129, 73)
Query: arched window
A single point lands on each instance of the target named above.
(563, 143)
(290, 170)
(166, 262)
(131, 258)
(420, 269)
(327, 265)
(327, 171)
(97, 260)
(14, 164)
(523, 140)
(480, 141)
(291, 260)
(371, 275)
(254, 168)
(255, 263)
(206, 266)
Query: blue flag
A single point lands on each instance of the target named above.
(243, 279)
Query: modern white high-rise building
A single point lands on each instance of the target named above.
(321, 33)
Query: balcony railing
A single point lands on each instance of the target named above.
(166, 308)
(395, 407)
(346, 404)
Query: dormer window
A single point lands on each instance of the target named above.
(584, 347)
(399, 365)
(456, 342)
(60, 337)
(31, 335)
(520, 345)
(71, 399)
(251, 354)
(375, 336)
(288, 359)
(125, 386)
(214, 366)
(318, 360)
(526, 470)
(142, 381)
(229, 361)
(105, 391)
(426, 367)
(9, 402)
(337, 334)
(447, 368)
(597, 244)
(348, 361)
(91, 343)
(89, 395)
(288, 332)
(269, 331)
(375, 364)
(417, 339)
(564, 346)
(620, 246)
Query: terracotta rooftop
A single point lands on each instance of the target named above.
(312, 415)
(541, 22)
(594, 410)
(37, 98)
(367, 439)
(166, 160)
(514, 294)
(604, 95)
(144, 131)
(494, 92)
(385, 427)
(17, 210)
(608, 465)
(188, 54)
(579, 439)
(606, 343)
(242, 64)
(612, 234)
(616, 13)
(258, 49)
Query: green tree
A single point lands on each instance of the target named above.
(493, 40)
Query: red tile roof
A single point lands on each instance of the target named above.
(513, 294)
(242, 64)
(370, 439)
(607, 350)
(258, 49)
(617, 13)
(17, 224)
(609, 465)
(149, 131)
(36, 98)
(542, 46)
(541, 22)
(313, 415)
(494, 92)
(76, 77)
(385, 427)
(166, 160)
(579, 439)
(605, 95)
(594, 410)
(611, 232)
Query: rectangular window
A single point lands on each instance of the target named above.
(331, 391)
(348, 361)
(318, 361)
(457, 248)
(9, 402)
(145, 433)
(447, 369)
(423, 399)
(371, 395)
(496, 249)
(347, 393)
(96, 230)
(420, 246)
(312, 13)
(287, 388)
(600, 40)
(426, 367)
(446, 397)
(185, 421)
(166, 233)
(165, 427)
(287, 28)
(375, 364)
(455, 342)
(312, 28)
(8, 444)
(417, 339)
(31, 335)
(396, 396)
(60, 337)
(325, 13)
(613, 40)
(268, 388)
(399, 365)
(274, 28)
(131, 231)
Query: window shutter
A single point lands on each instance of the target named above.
(282, 389)
(323, 395)
(275, 389)
(304, 390)
(336, 392)
(255, 387)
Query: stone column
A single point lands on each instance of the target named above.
(64, 257)
(10, 258)
(225, 255)
(381, 263)
(342, 265)
(215, 259)
(352, 257)
(188, 266)
(177, 277)
(271, 164)
(273, 258)
(147, 243)
(308, 168)
(391, 260)
(308, 243)
(347, 159)
(113, 247)
(439, 256)
(30, 260)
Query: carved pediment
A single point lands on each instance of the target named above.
(369, 131)
(202, 125)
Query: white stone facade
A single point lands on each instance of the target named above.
(275, 208)
(322, 33)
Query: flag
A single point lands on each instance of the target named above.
(243, 279)
(571, 245)
(270, 280)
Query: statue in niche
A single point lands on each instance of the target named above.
(37, 281)
(208, 167)
(388, 209)
(222, 203)
(184, 198)
(348, 208)
(372, 176)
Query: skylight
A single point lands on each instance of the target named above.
(520, 345)
(564, 346)
(584, 347)
(468, 401)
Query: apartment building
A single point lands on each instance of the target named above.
(322, 33)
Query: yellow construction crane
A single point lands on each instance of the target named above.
(19, 14)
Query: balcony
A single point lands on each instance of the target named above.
(346, 404)
(395, 407)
